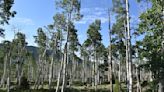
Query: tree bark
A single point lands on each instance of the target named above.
(130, 89)
(95, 69)
(52, 61)
(61, 64)
(40, 70)
(119, 73)
(8, 78)
(110, 55)
(160, 86)
(64, 68)
(65, 59)
(4, 71)
(59, 75)
(93, 72)
(138, 80)
(83, 69)
(51, 71)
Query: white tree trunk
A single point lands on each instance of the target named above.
(95, 69)
(110, 69)
(83, 70)
(119, 74)
(52, 61)
(59, 75)
(130, 88)
(4, 71)
(64, 69)
(8, 78)
(138, 80)
(51, 71)
(160, 86)
(61, 64)
(93, 72)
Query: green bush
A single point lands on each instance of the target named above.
(152, 86)
(116, 87)
(144, 83)
(107, 82)
(24, 83)
(78, 83)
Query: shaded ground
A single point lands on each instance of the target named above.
(67, 90)
(100, 88)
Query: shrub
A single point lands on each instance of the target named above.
(78, 83)
(116, 87)
(24, 83)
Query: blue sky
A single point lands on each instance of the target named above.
(32, 14)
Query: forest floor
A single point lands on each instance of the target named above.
(100, 88)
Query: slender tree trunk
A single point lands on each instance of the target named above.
(52, 62)
(130, 88)
(19, 65)
(150, 76)
(65, 59)
(59, 75)
(98, 72)
(20, 74)
(39, 73)
(73, 70)
(119, 73)
(127, 63)
(29, 71)
(8, 84)
(111, 72)
(43, 73)
(66, 52)
(61, 64)
(17, 71)
(138, 80)
(83, 69)
(160, 86)
(95, 69)
(4, 71)
(93, 72)
(51, 71)
(110, 55)
(40, 70)
(64, 68)
(9, 73)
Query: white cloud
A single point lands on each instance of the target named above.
(22, 21)
(91, 14)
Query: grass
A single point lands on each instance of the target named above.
(100, 88)
(73, 88)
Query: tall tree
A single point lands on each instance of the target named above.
(54, 46)
(151, 26)
(119, 36)
(59, 27)
(110, 53)
(94, 39)
(71, 9)
(84, 56)
(19, 46)
(41, 40)
(74, 43)
(129, 55)
(7, 52)
(6, 13)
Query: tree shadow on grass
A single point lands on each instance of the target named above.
(66, 90)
